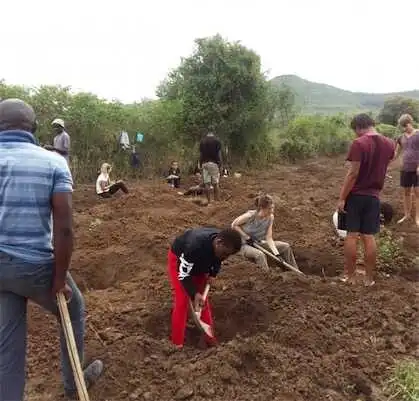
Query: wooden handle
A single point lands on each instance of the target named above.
(204, 296)
(291, 267)
(206, 290)
(72, 349)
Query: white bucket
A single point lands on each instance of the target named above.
(341, 233)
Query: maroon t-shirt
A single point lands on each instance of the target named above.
(375, 152)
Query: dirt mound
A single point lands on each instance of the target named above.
(283, 337)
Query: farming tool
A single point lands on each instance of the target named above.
(72, 349)
(277, 258)
(196, 315)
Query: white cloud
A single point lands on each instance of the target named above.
(123, 49)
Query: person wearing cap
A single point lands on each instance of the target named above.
(61, 139)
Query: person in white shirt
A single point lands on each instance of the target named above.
(124, 140)
(104, 187)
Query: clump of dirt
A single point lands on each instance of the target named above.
(282, 336)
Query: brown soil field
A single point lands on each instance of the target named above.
(282, 336)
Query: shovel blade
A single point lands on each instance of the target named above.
(204, 327)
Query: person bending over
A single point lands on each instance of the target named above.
(256, 226)
(194, 257)
(104, 187)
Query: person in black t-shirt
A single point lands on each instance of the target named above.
(210, 161)
(194, 257)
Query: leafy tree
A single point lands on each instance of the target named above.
(396, 106)
(221, 87)
(282, 104)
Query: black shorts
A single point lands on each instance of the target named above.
(362, 214)
(408, 179)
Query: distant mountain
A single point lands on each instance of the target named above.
(326, 99)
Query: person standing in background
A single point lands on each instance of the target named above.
(210, 162)
(61, 142)
(359, 203)
(408, 144)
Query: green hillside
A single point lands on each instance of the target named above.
(326, 99)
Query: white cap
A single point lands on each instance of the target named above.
(58, 121)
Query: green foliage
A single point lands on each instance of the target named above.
(388, 130)
(404, 382)
(314, 135)
(390, 255)
(282, 100)
(396, 106)
(221, 88)
(94, 126)
(317, 98)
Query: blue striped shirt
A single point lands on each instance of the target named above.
(29, 176)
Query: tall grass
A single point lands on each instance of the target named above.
(403, 385)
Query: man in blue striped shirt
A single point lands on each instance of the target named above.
(35, 184)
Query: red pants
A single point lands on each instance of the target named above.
(181, 301)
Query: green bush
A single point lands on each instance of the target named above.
(388, 130)
(220, 87)
(389, 252)
(314, 135)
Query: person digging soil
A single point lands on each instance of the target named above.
(193, 260)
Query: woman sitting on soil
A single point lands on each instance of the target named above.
(104, 187)
(255, 226)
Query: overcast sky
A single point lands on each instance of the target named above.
(122, 49)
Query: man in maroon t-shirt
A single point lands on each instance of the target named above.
(369, 156)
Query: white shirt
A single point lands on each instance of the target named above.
(102, 177)
(124, 140)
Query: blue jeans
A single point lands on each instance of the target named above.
(20, 281)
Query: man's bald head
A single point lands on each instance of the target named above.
(15, 114)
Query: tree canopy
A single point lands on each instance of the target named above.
(396, 106)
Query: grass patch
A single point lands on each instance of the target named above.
(403, 384)
(390, 256)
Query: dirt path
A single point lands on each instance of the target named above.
(283, 337)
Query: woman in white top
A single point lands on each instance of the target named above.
(104, 187)
(255, 226)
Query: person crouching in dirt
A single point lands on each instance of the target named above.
(104, 187)
(255, 226)
(173, 176)
(194, 259)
